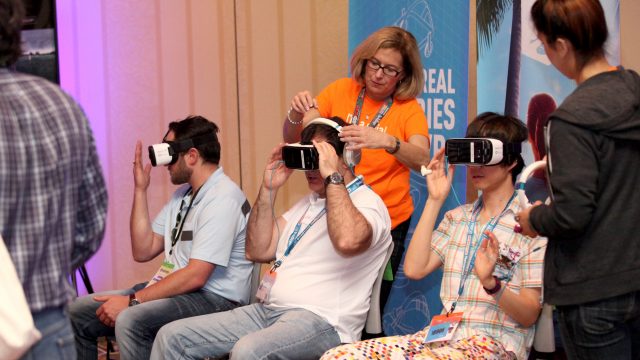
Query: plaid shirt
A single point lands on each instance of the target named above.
(519, 265)
(53, 199)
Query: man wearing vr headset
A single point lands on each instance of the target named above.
(201, 231)
(328, 249)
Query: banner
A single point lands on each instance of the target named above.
(537, 88)
(442, 31)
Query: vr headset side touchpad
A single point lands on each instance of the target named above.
(300, 157)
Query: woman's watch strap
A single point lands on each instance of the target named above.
(396, 148)
(496, 288)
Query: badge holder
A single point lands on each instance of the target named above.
(442, 327)
(165, 269)
(264, 289)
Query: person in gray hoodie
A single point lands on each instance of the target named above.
(592, 263)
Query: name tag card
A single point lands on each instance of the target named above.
(265, 286)
(442, 327)
(165, 269)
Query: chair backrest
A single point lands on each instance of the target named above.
(255, 282)
(374, 317)
(544, 340)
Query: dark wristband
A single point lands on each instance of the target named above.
(496, 288)
(395, 149)
(133, 300)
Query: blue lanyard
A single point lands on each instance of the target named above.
(381, 112)
(294, 238)
(471, 249)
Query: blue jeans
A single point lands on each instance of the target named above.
(136, 327)
(57, 336)
(246, 333)
(606, 329)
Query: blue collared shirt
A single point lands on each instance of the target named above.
(214, 231)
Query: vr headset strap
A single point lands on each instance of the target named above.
(195, 141)
(512, 149)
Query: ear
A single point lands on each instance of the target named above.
(513, 165)
(343, 166)
(192, 156)
(562, 46)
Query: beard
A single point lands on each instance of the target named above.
(180, 174)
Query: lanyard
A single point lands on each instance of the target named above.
(294, 238)
(177, 230)
(471, 248)
(381, 112)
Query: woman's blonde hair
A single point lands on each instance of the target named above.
(392, 37)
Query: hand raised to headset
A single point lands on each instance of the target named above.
(275, 173)
(301, 103)
(328, 161)
(438, 181)
(141, 175)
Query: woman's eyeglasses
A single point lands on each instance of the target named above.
(388, 70)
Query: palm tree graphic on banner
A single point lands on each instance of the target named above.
(489, 17)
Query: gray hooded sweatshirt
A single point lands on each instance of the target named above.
(593, 221)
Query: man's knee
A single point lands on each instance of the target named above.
(82, 306)
(168, 340)
(163, 339)
(247, 348)
(131, 321)
(81, 311)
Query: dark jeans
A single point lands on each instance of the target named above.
(397, 235)
(605, 329)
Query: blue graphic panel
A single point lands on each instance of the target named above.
(442, 31)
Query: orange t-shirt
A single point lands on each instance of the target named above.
(388, 177)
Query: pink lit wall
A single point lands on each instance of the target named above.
(82, 74)
(134, 66)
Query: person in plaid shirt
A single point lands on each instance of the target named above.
(491, 287)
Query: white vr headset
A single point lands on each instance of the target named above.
(305, 156)
(167, 152)
(480, 151)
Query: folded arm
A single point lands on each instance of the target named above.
(349, 231)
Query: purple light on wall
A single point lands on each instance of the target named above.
(81, 54)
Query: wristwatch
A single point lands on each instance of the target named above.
(396, 148)
(335, 179)
(133, 300)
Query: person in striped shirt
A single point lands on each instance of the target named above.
(492, 276)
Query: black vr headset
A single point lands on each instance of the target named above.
(300, 157)
(480, 151)
(167, 152)
(305, 156)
